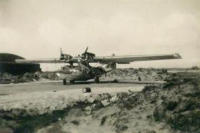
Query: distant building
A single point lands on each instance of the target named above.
(8, 65)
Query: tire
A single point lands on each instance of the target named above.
(115, 81)
(64, 82)
(96, 80)
(71, 81)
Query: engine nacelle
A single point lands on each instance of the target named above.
(66, 57)
(88, 56)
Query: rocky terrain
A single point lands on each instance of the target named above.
(6, 78)
(170, 108)
(141, 74)
(124, 74)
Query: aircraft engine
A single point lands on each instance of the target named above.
(65, 57)
(87, 56)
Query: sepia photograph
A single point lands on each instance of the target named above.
(99, 66)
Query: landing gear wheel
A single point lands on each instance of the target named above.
(96, 80)
(115, 81)
(71, 81)
(64, 82)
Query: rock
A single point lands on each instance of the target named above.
(114, 99)
(105, 102)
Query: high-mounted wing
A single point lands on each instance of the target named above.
(40, 61)
(132, 58)
(105, 59)
(64, 58)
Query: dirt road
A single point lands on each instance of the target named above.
(104, 87)
(48, 96)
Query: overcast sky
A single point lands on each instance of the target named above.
(39, 28)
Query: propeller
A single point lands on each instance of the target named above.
(87, 56)
(86, 49)
(65, 57)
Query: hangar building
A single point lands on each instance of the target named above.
(8, 65)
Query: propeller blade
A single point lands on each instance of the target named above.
(86, 49)
(61, 53)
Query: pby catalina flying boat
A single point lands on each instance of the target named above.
(84, 71)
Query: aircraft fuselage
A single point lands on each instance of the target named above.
(80, 73)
